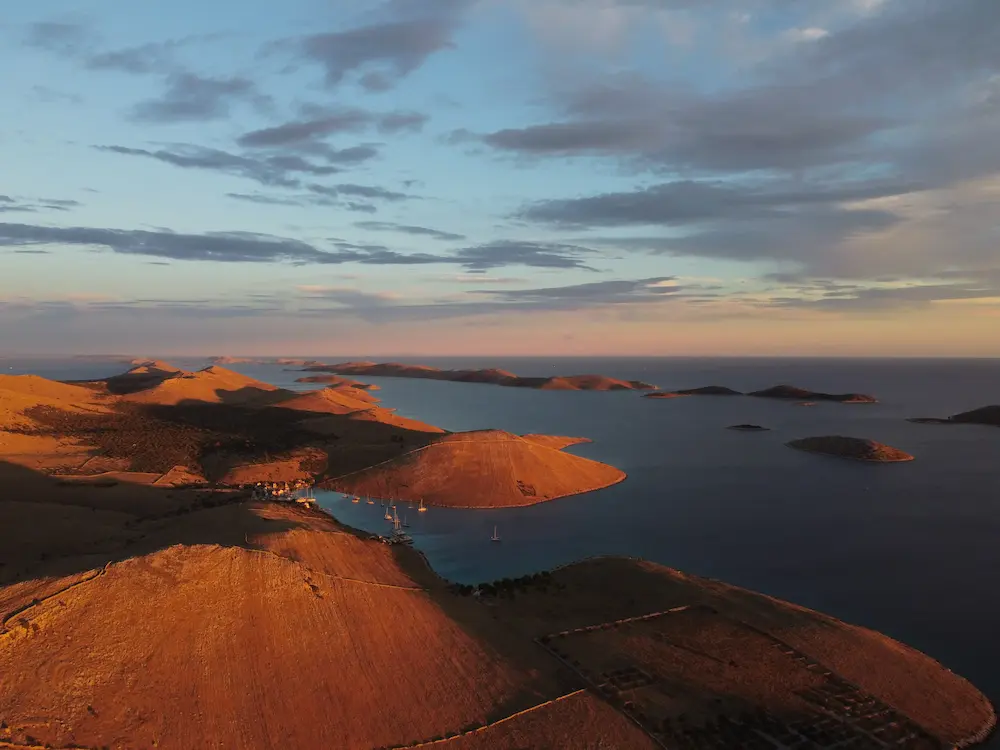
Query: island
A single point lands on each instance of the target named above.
(141, 585)
(488, 376)
(748, 428)
(857, 449)
(708, 390)
(338, 381)
(227, 360)
(986, 415)
(793, 393)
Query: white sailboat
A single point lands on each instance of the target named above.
(355, 499)
(370, 501)
(496, 536)
(422, 508)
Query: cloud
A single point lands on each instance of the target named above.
(486, 302)
(604, 292)
(807, 34)
(685, 202)
(388, 50)
(59, 37)
(306, 132)
(155, 57)
(532, 254)
(388, 226)
(228, 247)
(836, 100)
(34, 205)
(191, 97)
(274, 171)
(249, 247)
(359, 191)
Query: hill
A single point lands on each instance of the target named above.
(481, 469)
(278, 627)
(490, 376)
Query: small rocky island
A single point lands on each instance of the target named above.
(793, 393)
(337, 382)
(987, 415)
(857, 449)
(748, 428)
(490, 376)
(708, 390)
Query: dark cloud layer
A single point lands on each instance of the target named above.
(248, 247)
(894, 105)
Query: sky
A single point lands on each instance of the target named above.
(500, 177)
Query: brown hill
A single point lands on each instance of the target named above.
(212, 384)
(278, 627)
(480, 469)
(329, 400)
(858, 449)
(490, 376)
(791, 392)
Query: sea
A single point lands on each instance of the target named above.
(911, 550)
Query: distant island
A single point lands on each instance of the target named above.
(782, 392)
(748, 428)
(857, 449)
(489, 376)
(708, 390)
(337, 381)
(793, 393)
(986, 415)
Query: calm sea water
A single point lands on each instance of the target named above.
(912, 550)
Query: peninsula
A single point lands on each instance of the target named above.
(217, 427)
(857, 449)
(134, 596)
(489, 376)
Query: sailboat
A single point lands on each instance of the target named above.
(370, 501)
(422, 508)
(355, 499)
(405, 524)
(388, 515)
(496, 536)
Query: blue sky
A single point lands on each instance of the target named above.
(501, 177)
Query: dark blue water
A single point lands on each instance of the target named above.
(912, 550)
